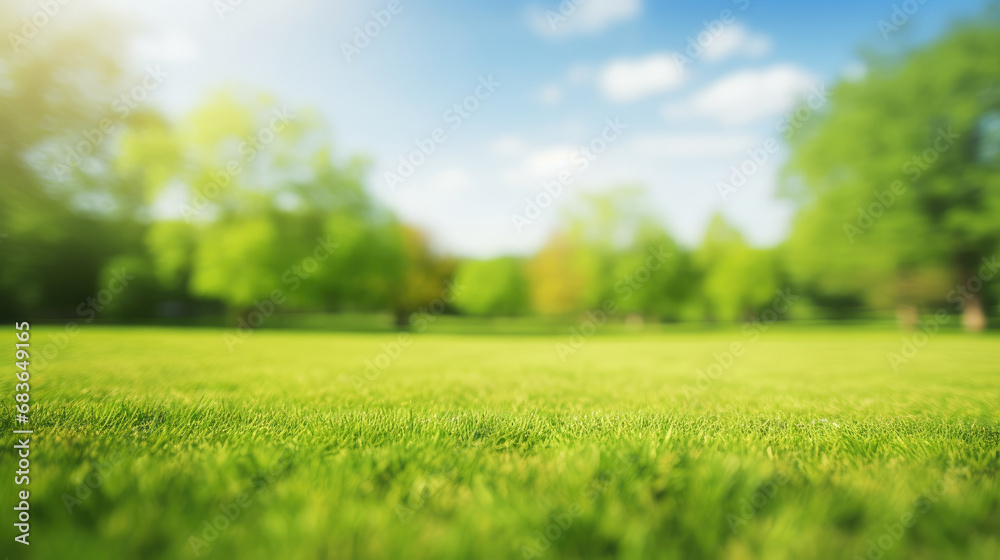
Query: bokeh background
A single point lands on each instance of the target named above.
(536, 279)
(351, 165)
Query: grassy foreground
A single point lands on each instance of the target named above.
(808, 445)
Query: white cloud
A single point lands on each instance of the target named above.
(689, 146)
(581, 17)
(624, 80)
(549, 161)
(745, 96)
(550, 94)
(680, 170)
(168, 47)
(451, 180)
(735, 39)
(540, 165)
(508, 146)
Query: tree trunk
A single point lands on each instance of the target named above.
(401, 319)
(907, 315)
(973, 316)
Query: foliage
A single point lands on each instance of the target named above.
(899, 181)
(57, 224)
(492, 287)
(244, 200)
(738, 280)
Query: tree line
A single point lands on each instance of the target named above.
(896, 184)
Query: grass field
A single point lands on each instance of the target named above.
(808, 445)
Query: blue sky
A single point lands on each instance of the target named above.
(687, 124)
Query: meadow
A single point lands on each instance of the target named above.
(161, 443)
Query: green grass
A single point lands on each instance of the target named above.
(809, 446)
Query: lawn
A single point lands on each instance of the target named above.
(807, 445)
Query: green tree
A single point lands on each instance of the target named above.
(899, 182)
(669, 292)
(558, 277)
(424, 277)
(492, 287)
(737, 280)
(262, 210)
(611, 248)
(64, 212)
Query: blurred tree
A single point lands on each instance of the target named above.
(558, 277)
(628, 257)
(737, 280)
(673, 280)
(601, 226)
(575, 270)
(262, 212)
(611, 248)
(899, 182)
(492, 287)
(64, 212)
(424, 280)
